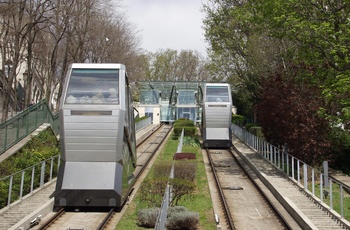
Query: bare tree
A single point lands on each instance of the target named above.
(13, 36)
(36, 22)
(46, 36)
(187, 64)
(56, 46)
(171, 65)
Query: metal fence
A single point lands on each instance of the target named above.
(162, 216)
(14, 187)
(18, 127)
(333, 194)
(142, 123)
(20, 184)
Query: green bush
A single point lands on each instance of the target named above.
(147, 218)
(256, 130)
(249, 125)
(140, 118)
(182, 190)
(152, 191)
(238, 119)
(184, 121)
(179, 218)
(186, 124)
(188, 131)
(192, 141)
(39, 148)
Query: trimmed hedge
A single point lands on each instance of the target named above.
(184, 122)
(189, 128)
(140, 118)
(188, 131)
(182, 156)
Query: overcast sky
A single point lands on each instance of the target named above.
(174, 24)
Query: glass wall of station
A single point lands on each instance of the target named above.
(186, 104)
(149, 97)
(167, 113)
(186, 97)
(174, 99)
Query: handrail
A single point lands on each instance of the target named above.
(19, 184)
(328, 192)
(27, 180)
(18, 127)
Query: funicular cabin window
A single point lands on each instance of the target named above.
(93, 86)
(217, 94)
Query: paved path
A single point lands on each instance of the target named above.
(300, 206)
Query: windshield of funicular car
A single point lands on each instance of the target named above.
(217, 94)
(93, 86)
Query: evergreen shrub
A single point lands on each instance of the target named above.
(147, 218)
(180, 218)
(238, 119)
(186, 124)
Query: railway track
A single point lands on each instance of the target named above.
(80, 220)
(245, 202)
(306, 210)
(104, 219)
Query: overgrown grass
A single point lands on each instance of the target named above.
(201, 202)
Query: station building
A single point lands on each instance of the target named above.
(166, 102)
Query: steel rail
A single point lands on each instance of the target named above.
(150, 158)
(222, 196)
(104, 222)
(50, 221)
(144, 139)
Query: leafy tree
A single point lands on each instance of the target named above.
(241, 54)
(289, 114)
(259, 39)
(319, 31)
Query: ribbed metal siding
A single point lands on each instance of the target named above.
(217, 117)
(91, 138)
